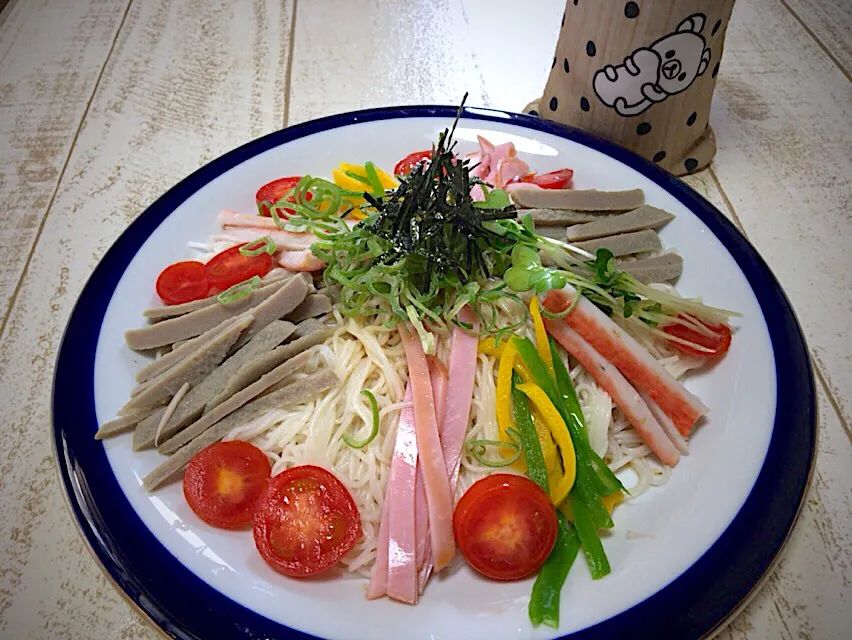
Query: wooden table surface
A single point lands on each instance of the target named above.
(104, 104)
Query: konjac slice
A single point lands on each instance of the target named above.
(223, 482)
(305, 521)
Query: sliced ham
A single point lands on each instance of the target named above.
(579, 199)
(303, 260)
(198, 397)
(627, 399)
(289, 240)
(632, 359)
(193, 369)
(438, 495)
(286, 297)
(378, 586)
(235, 402)
(299, 391)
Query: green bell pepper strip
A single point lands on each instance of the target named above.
(544, 601)
(591, 542)
(536, 469)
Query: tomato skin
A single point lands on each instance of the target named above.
(223, 482)
(272, 192)
(305, 521)
(505, 526)
(407, 164)
(230, 267)
(560, 179)
(182, 282)
(718, 343)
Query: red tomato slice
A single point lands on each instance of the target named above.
(718, 343)
(272, 192)
(407, 164)
(182, 282)
(305, 521)
(560, 179)
(223, 482)
(505, 526)
(231, 267)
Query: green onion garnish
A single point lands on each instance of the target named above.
(239, 290)
(374, 431)
(477, 449)
(256, 247)
(373, 177)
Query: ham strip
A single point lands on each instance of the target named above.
(632, 359)
(378, 586)
(438, 496)
(399, 502)
(616, 385)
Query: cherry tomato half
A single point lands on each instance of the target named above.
(272, 192)
(230, 267)
(560, 179)
(305, 521)
(718, 343)
(505, 526)
(223, 482)
(182, 282)
(407, 164)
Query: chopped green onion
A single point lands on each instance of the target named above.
(476, 448)
(373, 178)
(239, 290)
(374, 430)
(357, 177)
(256, 247)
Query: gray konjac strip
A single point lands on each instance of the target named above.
(646, 217)
(192, 405)
(197, 322)
(120, 425)
(296, 392)
(282, 302)
(193, 369)
(559, 217)
(625, 244)
(173, 357)
(308, 326)
(314, 305)
(256, 368)
(664, 268)
(234, 402)
(156, 314)
(579, 199)
(557, 233)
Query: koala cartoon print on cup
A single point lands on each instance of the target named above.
(651, 74)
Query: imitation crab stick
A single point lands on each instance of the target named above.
(631, 359)
(616, 385)
(435, 479)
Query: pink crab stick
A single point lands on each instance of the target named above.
(632, 359)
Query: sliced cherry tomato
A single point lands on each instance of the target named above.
(560, 179)
(231, 267)
(223, 482)
(407, 164)
(718, 343)
(182, 282)
(272, 192)
(305, 521)
(505, 526)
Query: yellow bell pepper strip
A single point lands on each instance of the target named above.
(541, 343)
(560, 434)
(504, 391)
(613, 500)
(487, 346)
(548, 448)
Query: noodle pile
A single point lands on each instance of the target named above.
(372, 357)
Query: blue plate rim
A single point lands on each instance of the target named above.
(183, 606)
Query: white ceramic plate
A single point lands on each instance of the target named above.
(732, 500)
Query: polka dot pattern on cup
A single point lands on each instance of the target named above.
(659, 156)
(631, 10)
(691, 119)
(533, 112)
(716, 27)
(584, 103)
(554, 104)
(715, 70)
(690, 164)
(565, 65)
(643, 129)
(591, 49)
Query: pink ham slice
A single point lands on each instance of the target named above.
(631, 358)
(439, 498)
(616, 385)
